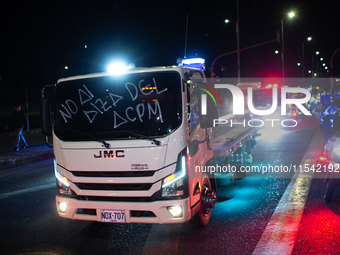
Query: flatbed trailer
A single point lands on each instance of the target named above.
(227, 141)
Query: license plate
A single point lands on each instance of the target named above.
(113, 216)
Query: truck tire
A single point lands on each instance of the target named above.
(330, 189)
(201, 219)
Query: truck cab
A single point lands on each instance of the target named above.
(127, 146)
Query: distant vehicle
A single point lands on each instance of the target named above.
(263, 100)
(245, 85)
(329, 161)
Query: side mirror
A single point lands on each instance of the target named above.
(193, 147)
(46, 121)
(195, 143)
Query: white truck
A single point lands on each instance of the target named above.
(133, 147)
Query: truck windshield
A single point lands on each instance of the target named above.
(138, 105)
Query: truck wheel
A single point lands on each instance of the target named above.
(330, 189)
(202, 218)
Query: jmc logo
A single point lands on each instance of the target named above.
(110, 154)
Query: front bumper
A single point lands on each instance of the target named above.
(158, 208)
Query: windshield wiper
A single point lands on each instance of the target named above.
(107, 145)
(157, 142)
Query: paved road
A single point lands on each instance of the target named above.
(29, 223)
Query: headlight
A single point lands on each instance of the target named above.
(62, 182)
(176, 211)
(62, 207)
(175, 185)
(336, 154)
(336, 151)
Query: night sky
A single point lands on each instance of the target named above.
(39, 39)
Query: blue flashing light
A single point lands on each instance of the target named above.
(190, 61)
(193, 62)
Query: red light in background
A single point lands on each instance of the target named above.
(322, 158)
(318, 232)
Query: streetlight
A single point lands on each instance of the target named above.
(317, 61)
(290, 15)
(332, 67)
(303, 56)
(238, 46)
(62, 71)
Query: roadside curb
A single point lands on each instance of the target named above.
(13, 133)
(25, 159)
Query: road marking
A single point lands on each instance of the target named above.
(281, 231)
(18, 192)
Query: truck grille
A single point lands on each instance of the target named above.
(113, 174)
(116, 199)
(142, 214)
(101, 186)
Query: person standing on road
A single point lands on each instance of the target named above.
(325, 118)
(328, 114)
(19, 121)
